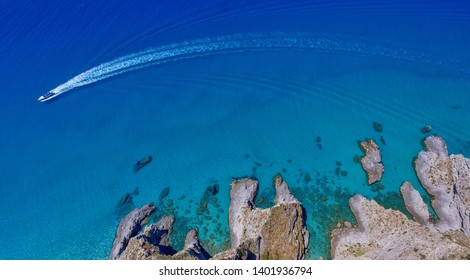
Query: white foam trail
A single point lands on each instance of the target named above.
(227, 44)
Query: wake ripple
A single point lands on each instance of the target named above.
(234, 44)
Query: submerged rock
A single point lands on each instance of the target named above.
(164, 193)
(129, 227)
(372, 161)
(142, 163)
(126, 204)
(278, 232)
(377, 127)
(426, 129)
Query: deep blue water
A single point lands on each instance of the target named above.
(207, 119)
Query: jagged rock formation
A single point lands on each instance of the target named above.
(372, 161)
(415, 205)
(447, 180)
(388, 234)
(275, 233)
(153, 244)
(129, 227)
(233, 254)
(153, 241)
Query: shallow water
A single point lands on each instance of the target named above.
(207, 120)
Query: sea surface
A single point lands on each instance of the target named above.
(215, 90)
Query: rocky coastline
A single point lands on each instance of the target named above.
(388, 234)
(280, 231)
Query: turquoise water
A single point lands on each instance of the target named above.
(206, 120)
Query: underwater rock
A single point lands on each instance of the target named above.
(164, 193)
(213, 190)
(278, 232)
(126, 204)
(426, 129)
(382, 140)
(388, 234)
(447, 179)
(377, 127)
(129, 227)
(142, 163)
(372, 161)
(357, 159)
(125, 199)
(377, 187)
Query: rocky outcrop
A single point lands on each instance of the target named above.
(129, 226)
(152, 244)
(447, 180)
(193, 247)
(278, 232)
(372, 161)
(232, 254)
(388, 234)
(415, 205)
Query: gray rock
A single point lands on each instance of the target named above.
(415, 205)
(129, 227)
(283, 194)
(372, 161)
(232, 254)
(194, 247)
(152, 244)
(157, 235)
(436, 144)
(447, 180)
(388, 234)
(275, 233)
(242, 194)
(278, 232)
(162, 230)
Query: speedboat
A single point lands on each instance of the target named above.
(47, 96)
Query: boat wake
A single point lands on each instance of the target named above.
(229, 44)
